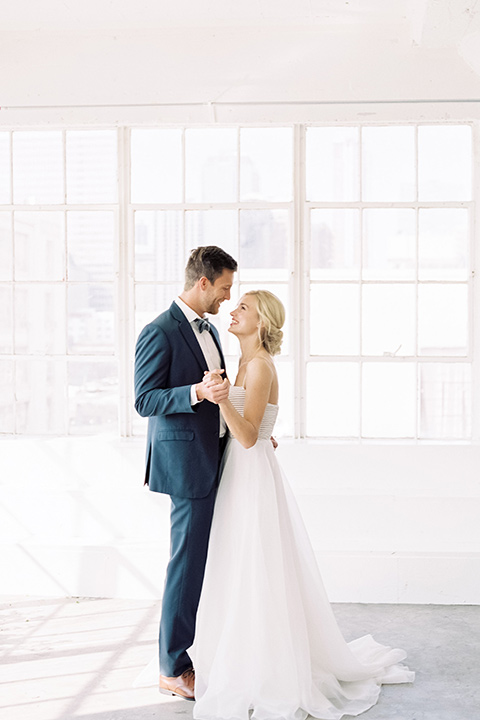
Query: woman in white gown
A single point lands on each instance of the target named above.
(266, 639)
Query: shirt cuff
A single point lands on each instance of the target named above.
(193, 396)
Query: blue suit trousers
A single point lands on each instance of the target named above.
(191, 519)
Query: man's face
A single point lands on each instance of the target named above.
(218, 292)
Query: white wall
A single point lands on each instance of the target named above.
(389, 523)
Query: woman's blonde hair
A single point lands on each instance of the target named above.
(272, 317)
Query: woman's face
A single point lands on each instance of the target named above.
(245, 320)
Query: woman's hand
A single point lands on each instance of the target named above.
(213, 377)
(213, 387)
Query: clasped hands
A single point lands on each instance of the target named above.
(213, 387)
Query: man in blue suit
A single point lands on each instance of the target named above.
(184, 444)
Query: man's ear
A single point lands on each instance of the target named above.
(203, 282)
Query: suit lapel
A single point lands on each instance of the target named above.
(188, 335)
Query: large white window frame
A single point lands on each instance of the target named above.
(299, 281)
(360, 205)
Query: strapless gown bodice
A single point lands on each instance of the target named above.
(237, 398)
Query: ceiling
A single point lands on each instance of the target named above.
(133, 52)
(93, 15)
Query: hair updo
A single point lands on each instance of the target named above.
(272, 317)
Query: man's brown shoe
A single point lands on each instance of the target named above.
(183, 685)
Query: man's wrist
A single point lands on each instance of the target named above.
(195, 395)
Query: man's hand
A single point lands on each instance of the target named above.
(213, 388)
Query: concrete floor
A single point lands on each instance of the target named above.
(78, 658)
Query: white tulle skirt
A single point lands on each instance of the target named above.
(267, 640)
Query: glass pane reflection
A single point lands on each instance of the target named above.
(40, 319)
(211, 165)
(445, 400)
(332, 164)
(388, 400)
(443, 244)
(389, 244)
(90, 241)
(335, 244)
(388, 164)
(39, 245)
(156, 166)
(41, 396)
(7, 397)
(333, 399)
(264, 244)
(266, 164)
(37, 167)
(445, 162)
(92, 397)
(6, 246)
(442, 319)
(5, 168)
(159, 245)
(91, 166)
(90, 319)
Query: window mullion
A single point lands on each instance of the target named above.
(125, 317)
(301, 279)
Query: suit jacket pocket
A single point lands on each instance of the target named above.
(175, 435)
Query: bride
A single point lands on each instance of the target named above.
(266, 637)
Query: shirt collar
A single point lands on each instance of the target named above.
(190, 314)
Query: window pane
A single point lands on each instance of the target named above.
(5, 168)
(443, 243)
(389, 240)
(445, 400)
(332, 399)
(92, 397)
(445, 162)
(7, 397)
(389, 400)
(332, 164)
(39, 245)
(266, 164)
(388, 320)
(334, 244)
(90, 319)
(156, 166)
(6, 246)
(159, 245)
(334, 320)
(151, 300)
(212, 227)
(91, 166)
(40, 393)
(442, 319)
(280, 290)
(211, 165)
(6, 319)
(388, 164)
(90, 237)
(40, 319)
(37, 167)
(264, 244)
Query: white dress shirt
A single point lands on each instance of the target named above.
(208, 348)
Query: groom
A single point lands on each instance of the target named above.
(185, 442)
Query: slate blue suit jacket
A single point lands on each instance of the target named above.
(183, 440)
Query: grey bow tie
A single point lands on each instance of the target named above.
(202, 324)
